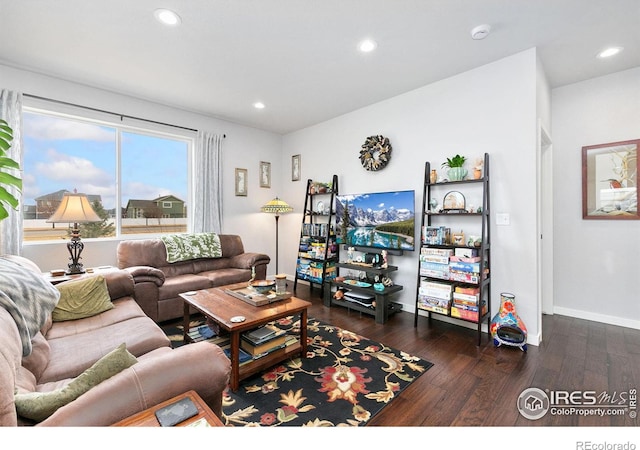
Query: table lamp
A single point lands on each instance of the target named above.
(75, 208)
(277, 207)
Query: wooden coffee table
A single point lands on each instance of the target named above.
(218, 306)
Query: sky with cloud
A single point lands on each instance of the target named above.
(61, 153)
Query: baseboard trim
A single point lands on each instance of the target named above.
(596, 317)
(531, 339)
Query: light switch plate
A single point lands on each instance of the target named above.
(503, 219)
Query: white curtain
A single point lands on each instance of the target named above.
(11, 227)
(207, 211)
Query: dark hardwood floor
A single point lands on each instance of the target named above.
(479, 386)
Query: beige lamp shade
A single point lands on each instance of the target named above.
(74, 208)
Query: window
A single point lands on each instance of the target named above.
(136, 179)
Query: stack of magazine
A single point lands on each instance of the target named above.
(263, 340)
(205, 333)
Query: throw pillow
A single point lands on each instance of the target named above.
(184, 247)
(82, 298)
(40, 405)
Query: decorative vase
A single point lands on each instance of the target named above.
(433, 176)
(477, 174)
(506, 326)
(456, 173)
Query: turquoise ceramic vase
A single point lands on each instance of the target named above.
(457, 173)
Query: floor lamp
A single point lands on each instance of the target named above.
(74, 208)
(277, 207)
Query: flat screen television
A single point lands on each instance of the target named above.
(382, 220)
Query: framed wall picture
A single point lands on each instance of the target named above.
(295, 168)
(241, 182)
(265, 174)
(610, 181)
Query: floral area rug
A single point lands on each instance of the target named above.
(345, 380)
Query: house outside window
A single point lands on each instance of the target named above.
(129, 175)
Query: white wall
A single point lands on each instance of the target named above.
(596, 268)
(244, 147)
(490, 109)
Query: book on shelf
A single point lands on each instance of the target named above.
(465, 266)
(202, 331)
(243, 358)
(434, 302)
(262, 334)
(467, 290)
(265, 353)
(273, 343)
(466, 314)
(290, 340)
(466, 298)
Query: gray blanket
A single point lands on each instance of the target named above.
(28, 297)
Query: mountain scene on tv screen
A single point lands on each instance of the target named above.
(379, 220)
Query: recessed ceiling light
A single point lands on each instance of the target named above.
(367, 45)
(606, 53)
(258, 105)
(167, 17)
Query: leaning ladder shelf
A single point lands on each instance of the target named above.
(432, 282)
(318, 251)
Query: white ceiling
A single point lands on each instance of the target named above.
(299, 57)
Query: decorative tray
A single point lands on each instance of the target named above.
(249, 295)
(357, 283)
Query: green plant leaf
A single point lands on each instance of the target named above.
(6, 162)
(9, 180)
(6, 178)
(8, 198)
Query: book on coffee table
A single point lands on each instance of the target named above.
(177, 412)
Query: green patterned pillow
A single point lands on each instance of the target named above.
(82, 298)
(183, 247)
(40, 405)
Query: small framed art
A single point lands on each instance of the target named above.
(241, 182)
(265, 174)
(295, 168)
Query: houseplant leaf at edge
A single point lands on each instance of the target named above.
(6, 178)
(456, 161)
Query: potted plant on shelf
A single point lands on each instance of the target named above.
(456, 171)
(6, 166)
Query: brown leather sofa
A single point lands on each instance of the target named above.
(158, 283)
(63, 350)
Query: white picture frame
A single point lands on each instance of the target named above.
(265, 174)
(241, 182)
(295, 168)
